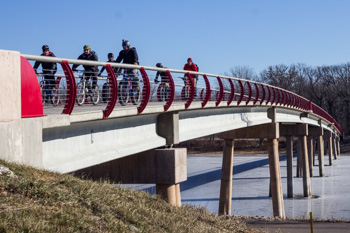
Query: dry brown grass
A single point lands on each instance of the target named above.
(41, 201)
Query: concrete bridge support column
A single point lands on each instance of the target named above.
(302, 131)
(317, 132)
(299, 171)
(271, 133)
(328, 139)
(310, 147)
(335, 151)
(289, 145)
(170, 193)
(275, 178)
(306, 173)
(226, 178)
(321, 155)
(315, 149)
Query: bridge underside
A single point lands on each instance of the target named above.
(83, 144)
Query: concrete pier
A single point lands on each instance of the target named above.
(289, 148)
(271, 132)
(226, 178)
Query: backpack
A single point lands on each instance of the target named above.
(197, 67)
(196, 75)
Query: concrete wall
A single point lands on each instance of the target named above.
(20, 139)
(10, 106)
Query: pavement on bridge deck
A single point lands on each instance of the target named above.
(330, 199)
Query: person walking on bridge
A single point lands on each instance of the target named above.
(190, 66)
(49, 70)
(90, 71)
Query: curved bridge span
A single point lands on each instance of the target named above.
(97, 137)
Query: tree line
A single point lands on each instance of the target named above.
(326, 86)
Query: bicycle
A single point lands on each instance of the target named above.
(85, 90)
(128, 91)
(163, 91)
(105, 92)
(45, 91)
(186, 90)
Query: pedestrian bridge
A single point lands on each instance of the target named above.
(66, 137)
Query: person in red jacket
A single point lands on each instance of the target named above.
(192, 67)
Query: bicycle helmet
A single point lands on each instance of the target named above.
(110, 55)
(87, 47)
(126, 43)
(45, 47)
(159, 65)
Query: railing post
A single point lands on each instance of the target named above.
(171, 93)
(71, 88)
(232, 94)
(250, 93)
(263, 94)
(221, 92)
(146, 90)
(256, 93)
(269, 95)
(207, 92)
(242, 92)
(113, 91)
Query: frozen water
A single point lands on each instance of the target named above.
(250, 188)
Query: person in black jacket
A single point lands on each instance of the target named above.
(90, 71)
(164, 78)
(110, 59)
(129, 56)
(49, 70)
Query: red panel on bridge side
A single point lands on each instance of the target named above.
(32, 105)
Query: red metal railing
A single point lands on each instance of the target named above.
(210, 87)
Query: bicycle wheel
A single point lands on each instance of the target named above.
(43, 92)
(161, 93)
(105, 93)
(95, 95)
(135, 97)
(62, 91)
(55, 97)
(202, 95)
(123, 94)
(185, 93)
(80, 93)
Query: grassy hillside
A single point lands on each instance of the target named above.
(41, 201)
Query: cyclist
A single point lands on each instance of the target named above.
(162, 93)
(49, 71)
(129, 56)
(90, 71)
(110, 59)
(164, 78)
(191, 67)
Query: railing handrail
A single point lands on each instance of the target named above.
(302, 102)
